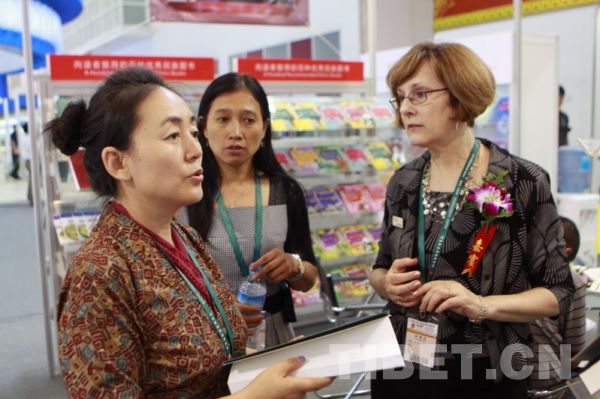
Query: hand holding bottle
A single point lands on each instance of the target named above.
(251, 298)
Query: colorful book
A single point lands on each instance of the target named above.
(283, 118)
(331, 159)
(306, 159)
(376, 193)
(333, 116)
(356, 158)
(354, 197)
(375, 230)
(380, 155)
(329, 200)
(358, 270)
(357, 239)
(308, 117)
(382, 114)
(312, 203)
(341, 289)
(358, 117)
(329, 245)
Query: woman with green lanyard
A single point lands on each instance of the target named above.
(472, 247)
(144, 311)
(253, 216)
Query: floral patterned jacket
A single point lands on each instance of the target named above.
(130, 327)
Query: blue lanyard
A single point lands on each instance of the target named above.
(231, 232)
(437, 249)
(227, 336)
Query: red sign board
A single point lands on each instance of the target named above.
(303, 70)
(282, 12)
(98, 67)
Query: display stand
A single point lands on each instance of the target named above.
(302, 81)
(77, 77)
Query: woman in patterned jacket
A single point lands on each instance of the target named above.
(472, 247)
(144, 311)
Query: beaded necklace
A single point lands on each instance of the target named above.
(435, 206)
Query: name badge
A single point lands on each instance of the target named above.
(398, 222)
(421, 340)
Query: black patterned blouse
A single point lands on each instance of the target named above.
(527, 249)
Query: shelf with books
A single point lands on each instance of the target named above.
(328, 220)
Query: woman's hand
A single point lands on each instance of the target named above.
(401, 284)
(252, 314)
(276, 382)
(277, 266)
(441, 295)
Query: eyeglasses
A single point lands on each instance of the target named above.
(416, 98)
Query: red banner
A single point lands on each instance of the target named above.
(98, 67)
(446, 8)
(303, 70)
(266, 12)
(454, 13)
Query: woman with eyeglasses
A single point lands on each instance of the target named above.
(472, 248)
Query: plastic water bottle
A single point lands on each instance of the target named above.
(254, 292)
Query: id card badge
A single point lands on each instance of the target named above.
(421, 340)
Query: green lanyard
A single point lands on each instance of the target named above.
(227, 336)
(437, 249)
(231, 232)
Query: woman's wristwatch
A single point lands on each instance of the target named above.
(300, 271)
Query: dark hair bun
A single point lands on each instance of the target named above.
(67, 129)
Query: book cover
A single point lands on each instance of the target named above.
(358, 271)
(312, 203)
(331, 159)
(308, 117)
(382, 114)
(357, 239)
(357, 115)
(354, 197)
(380, 155)
(341, 287)
(328, 244)
(376, 193)
(283, 118)
(333, 116)
(355, 158)
(306, 159)
(329, 200)
(375, 230)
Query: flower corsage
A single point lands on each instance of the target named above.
(493, 202)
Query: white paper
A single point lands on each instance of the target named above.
(366, 347)
(591, 378)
